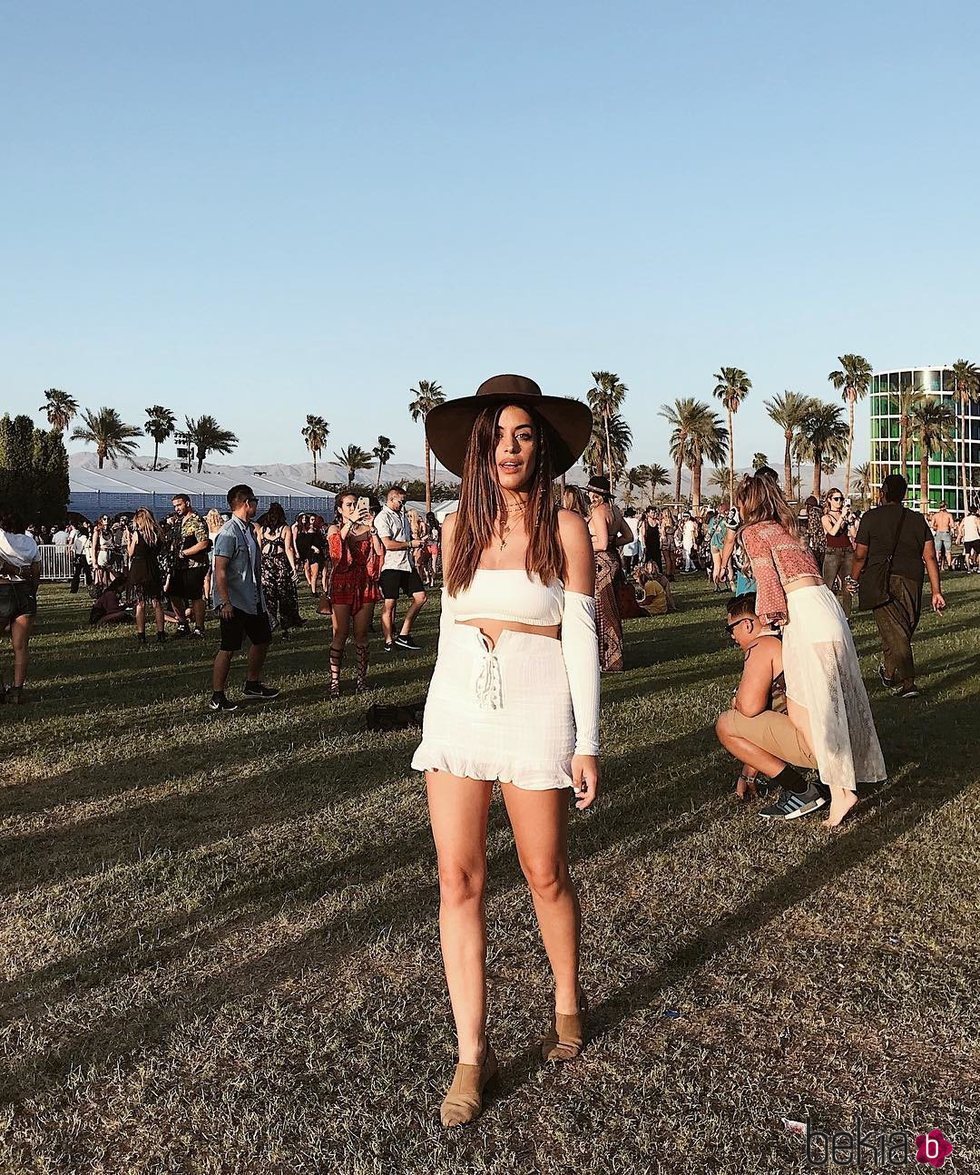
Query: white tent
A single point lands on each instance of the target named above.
(110, 491)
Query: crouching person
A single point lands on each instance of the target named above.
(657, 599)
(757, 730)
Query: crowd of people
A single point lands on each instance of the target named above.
(138, 568)
(535, 591)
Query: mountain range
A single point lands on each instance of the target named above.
(332, 473)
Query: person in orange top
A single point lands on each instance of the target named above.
(356, 555)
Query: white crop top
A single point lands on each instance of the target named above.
(508, 594)
(513, 595)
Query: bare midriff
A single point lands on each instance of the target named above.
(802, 582)
(492, 629)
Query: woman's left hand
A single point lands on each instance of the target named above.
(585, 778)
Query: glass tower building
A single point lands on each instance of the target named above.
(889, 402)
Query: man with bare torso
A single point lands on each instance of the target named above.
(943, 525)
(757, 730)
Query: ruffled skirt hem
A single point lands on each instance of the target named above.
(527, 776)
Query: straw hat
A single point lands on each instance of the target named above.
(449, 426)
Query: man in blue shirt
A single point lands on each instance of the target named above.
(238, 600)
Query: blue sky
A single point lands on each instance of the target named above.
(260, 211)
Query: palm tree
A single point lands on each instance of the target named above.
(207, 436)
(758, 460)
(605, 400)
(788, 411)
(933, 424)
(909, 394)
(656, 478)
(966, 387)
(107, 431)
(708, 440)
(732, 388)
(680, 416)
(59, 408)
(823, 436)
(719, 480)
(617, 435)
(384, 450)
(353, 458)
(160, 424)
(853, 379)
(862, 477)
(428, 395)
(636, 478)
(315, 433)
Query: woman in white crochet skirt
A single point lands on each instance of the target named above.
(514, 697)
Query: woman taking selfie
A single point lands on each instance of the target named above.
(356, 555)
(514, 697)
(826, 697)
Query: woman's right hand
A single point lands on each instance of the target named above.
(585, 779)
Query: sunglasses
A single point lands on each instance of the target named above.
(730, 628)
(837, 497)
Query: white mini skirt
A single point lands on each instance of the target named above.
(499, 713)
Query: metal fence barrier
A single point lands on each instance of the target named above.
(56, 562)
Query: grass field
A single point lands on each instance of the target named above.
(219, 944)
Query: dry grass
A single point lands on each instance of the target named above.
(219, 946)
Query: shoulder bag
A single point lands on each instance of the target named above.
(873, 589)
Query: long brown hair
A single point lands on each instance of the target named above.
(760, 499)
(482, 505)
(147, 526)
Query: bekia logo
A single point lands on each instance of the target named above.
(868, 1151)
(933, 1148)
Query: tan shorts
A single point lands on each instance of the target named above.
(776, 734)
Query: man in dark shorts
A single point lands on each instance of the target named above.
(398, 574)
(239, 602)
(191, 546)
(915, 554)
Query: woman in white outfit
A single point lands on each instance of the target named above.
(514, 697)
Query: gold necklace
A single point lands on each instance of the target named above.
(512, 508)
(505, 531)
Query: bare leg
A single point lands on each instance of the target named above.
(458, 814)
(340, 619)
(256, 659)
(141, 618)
(198, 610)
(362, 622)
(158, 614)
(20, 637)
(219, 674)
(540, 823)
(388, 620)
(416, 606)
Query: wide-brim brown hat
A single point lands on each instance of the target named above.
(449, 425)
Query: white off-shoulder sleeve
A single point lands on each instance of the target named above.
(580, 648)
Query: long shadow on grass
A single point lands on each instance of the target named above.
(674, 802)
(628, 807)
